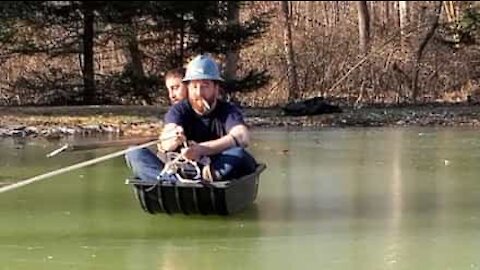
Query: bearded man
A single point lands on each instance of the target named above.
(202, 126)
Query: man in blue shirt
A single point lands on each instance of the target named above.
(202, 126)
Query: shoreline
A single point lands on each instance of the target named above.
(129, 121)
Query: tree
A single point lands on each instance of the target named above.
(363, 26)
(74, 33)
(403, 20)
(289, 53)
(419, 52)
(364, 37)
(212, 26)
(126, 21)
(88, 68)
(231, 57)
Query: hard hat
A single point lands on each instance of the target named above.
(202, 67)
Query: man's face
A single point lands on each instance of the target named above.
(177, 90)
(201, 91)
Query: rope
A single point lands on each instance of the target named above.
(73, 167)
(177, 163)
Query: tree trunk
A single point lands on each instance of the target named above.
(449, 11)
(403, 20)
(363, 26)
(386, 14)
(373, 17)
(232, 56)
(182, 40)
(134, 53)
(88, 65)
(325, 13)
(289, 54)
(421, 48)
(202, 21)
(135, 60)
(364, 36)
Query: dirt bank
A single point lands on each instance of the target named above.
(146, 120)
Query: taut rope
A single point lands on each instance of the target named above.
(73, 167)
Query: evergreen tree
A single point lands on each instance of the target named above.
(203, 26)
(178, 31)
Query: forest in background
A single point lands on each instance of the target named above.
(351, 53)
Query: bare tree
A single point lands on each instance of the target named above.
(289, 53)
(88, 66)
(363, 26)
(364, 37)
(309, 49)
(232, 56)
(386, 14)
(419, 53)
(134, 58)
(403, 20)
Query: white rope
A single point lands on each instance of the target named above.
(73, 167)
(175, 163)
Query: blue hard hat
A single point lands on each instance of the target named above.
(202, 67)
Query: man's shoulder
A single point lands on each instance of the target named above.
(181, 106)
(177, 112)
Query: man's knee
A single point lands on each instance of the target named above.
(138, 156)
(132, 155)
(144, 163)
(235, 151)
(241, 153)
(239, 158)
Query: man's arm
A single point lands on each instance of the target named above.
(171, 138)
(241, 135)
(172, 135)
(238, 136)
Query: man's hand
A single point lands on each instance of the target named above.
(194, 151)
(171, 138)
